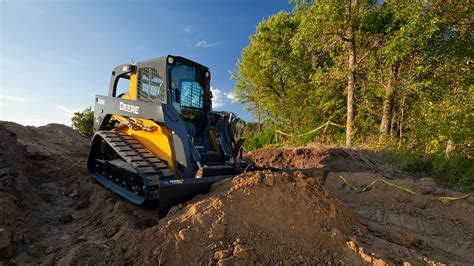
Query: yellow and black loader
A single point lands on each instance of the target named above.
(159, 142)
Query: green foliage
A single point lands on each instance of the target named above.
(259, 139)
(457, 170)
(408, 161)
(294, 74)
(83, 122)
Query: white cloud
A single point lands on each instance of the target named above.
(217, 98)
(5, 98)
(67, 110)
(187, 30)
(221, 98)
(205, 44)
(232, 97)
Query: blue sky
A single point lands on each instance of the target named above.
(56, 55)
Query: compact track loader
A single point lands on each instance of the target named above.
(159, 142)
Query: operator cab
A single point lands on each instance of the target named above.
(185, 85)
(189, 91)
(169, 80)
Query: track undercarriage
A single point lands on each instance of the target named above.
(121, 164)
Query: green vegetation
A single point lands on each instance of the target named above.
(83, 122)
(398, 75)
(259, 139)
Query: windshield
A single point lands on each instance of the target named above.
(187, 87)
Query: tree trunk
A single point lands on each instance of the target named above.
(400, 123)
(387, 104)
(449, 148)
(350, 87)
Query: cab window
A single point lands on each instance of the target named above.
(191, 94)
(187, 87)
(150, 86)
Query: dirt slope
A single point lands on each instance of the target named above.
(401, 225)
(57, 215)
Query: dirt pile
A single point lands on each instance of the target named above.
(259, 217)
(405, 227)
(54, 213)
(37, 167)
(51, 212)
(330, 158)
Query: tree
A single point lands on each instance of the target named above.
(444, 110)
(339, 22)
(83, 122)
(405, 66)
(268, 73)
(405, 28)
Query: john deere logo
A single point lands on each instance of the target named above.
(129, 108)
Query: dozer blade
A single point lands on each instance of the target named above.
(120, 163)
(173, 193)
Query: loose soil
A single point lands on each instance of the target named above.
(55, 214)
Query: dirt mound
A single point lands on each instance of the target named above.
(55, 133)
(51, 212)
(403, 226)
(49, 140)
(37, 167)
(56, 214)
(259, 217)
(330, 158)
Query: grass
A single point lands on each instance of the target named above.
(455, 171)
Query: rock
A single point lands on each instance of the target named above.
(244, 253)
(217, 232)
(401, 238)
(300, 179)
(185, 234)
(222, 254)
(269, 180)
(4, 238)
(379, 262)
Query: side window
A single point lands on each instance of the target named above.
(150, 86)
(191, 94)
(123, 88)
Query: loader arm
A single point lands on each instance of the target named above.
(183, 157)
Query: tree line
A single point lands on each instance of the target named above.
(395, 73)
